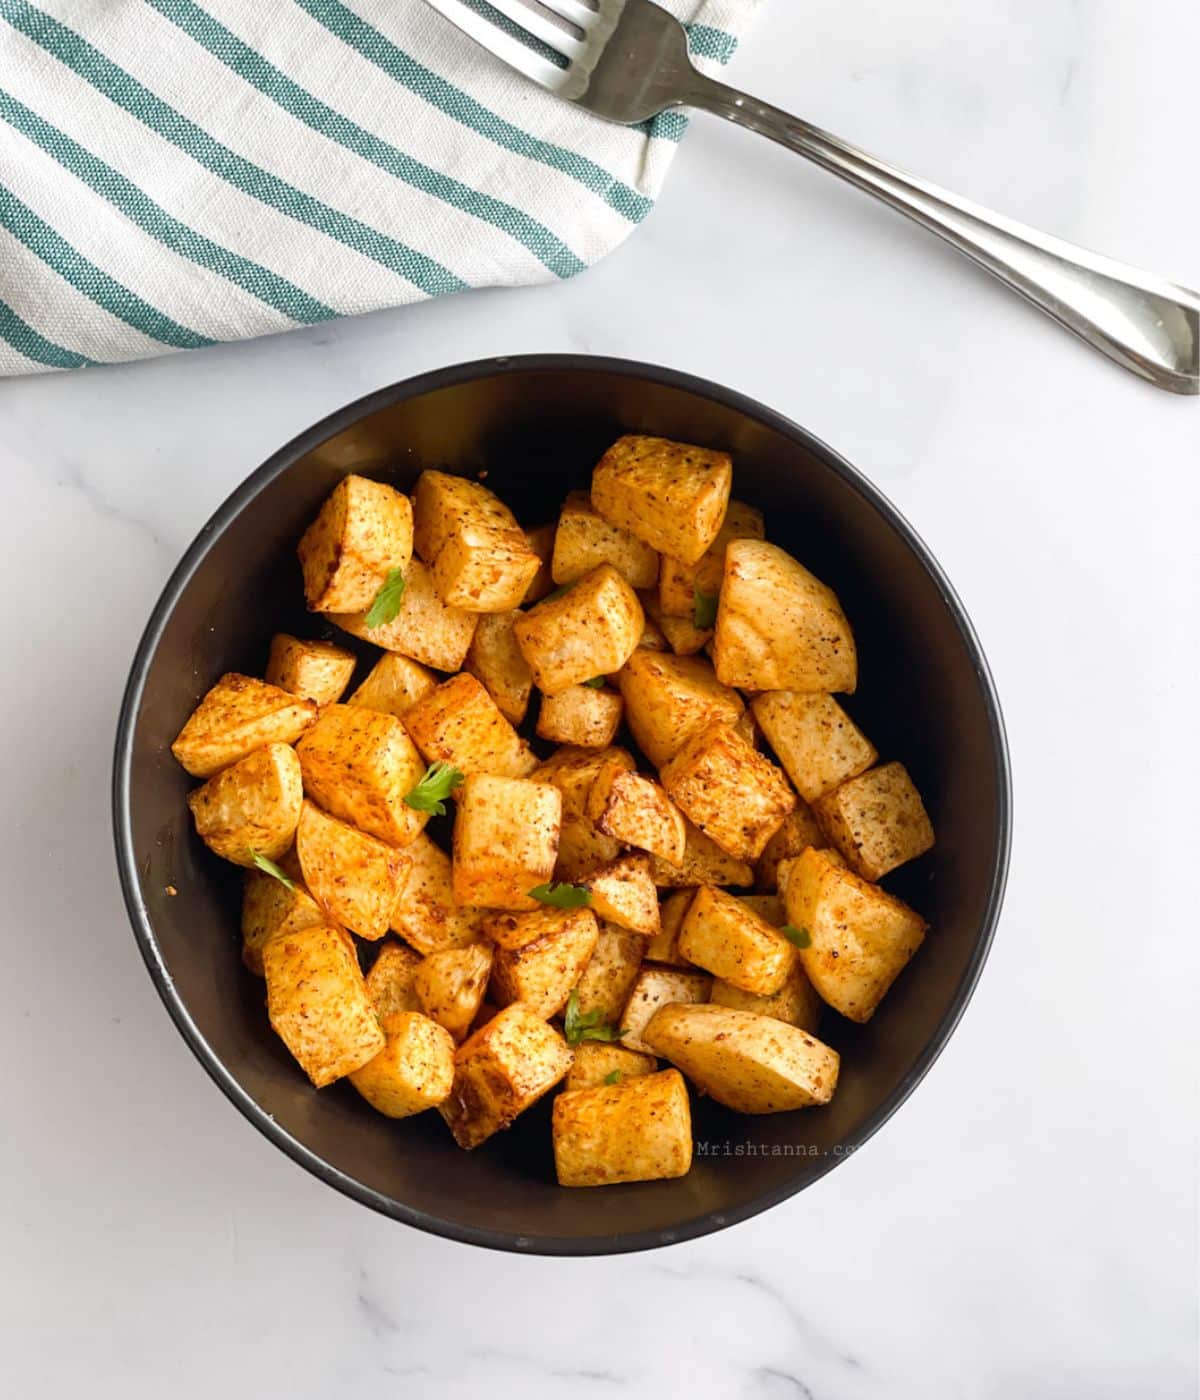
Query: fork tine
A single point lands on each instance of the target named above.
(577, 11)
(511, 51)
(535, 20)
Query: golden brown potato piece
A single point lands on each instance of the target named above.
(726, 937)
(584, 539)
(703, 863)
(637, 1129)
(671, 494)
(505, 841)
(542, 970)
(364, 529)
(582, 849)
(657, 987)
(505, 1066)
(861, 936)
(317, 1002)
(425, 629)
(817, 742)
(752, 1064)
(664, 946)
(316, 671)
(459, 723)
(637, 812)
(581, 716)
(679, 583)
(427, 914)
(877, 821)
(393, 685)
(496, 660)
(653, 638)
(767, 906)
(611, 971)
(414, 1070)
(269, 909)
(450, 985)
(541, 541)
(391, 980)
(602, 1062)
(683, 637)
(356, 877)
(670, 698)
(624, 894)
(358, 765)
(796, 1002)
(779, 627)
(727, 789)
(237, 716)
(252, 808)
(799, 831)
(589, 631)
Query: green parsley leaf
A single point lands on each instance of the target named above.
(596, 682)
(704, 610)
(613, 1076)
(268, 867)
(431, 792)
(799, 936)
(561, 895)
(578, 1027)
(387, 601)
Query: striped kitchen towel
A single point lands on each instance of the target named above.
(173, 174)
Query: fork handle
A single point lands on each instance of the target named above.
(1147, 324)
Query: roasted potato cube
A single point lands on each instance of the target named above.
(496, 660)
(664, 946)
(589, 631)
(670, 698)
(796, 1002)
(269, 909)
(316, 671)
(582, 849)
(752, 1064)
(683, 636)
(356, 877)
(426, 913)
(459, 723)
(670, 494)
(725, 937)
(425, 629)
(601, 1062)
(541, 971)
(252, 808)
(364, 529)
(679, 583)
(637, 1129)
(505, 1066)
(585, 539)
(799, 831)
(237, 716)
(624, 894)
(505, 840)
(877, 821)
(450, 984)
(861, 936)
(414, 1070)
(729, 790)
(393, 685)
(541, 541)
(657, 987)
(611, 971)
(653, 638)
(815, 740)
(637, 812)
(703, 863)
(779, 627)
(581, 716)
(317, 1002)
(768, 907)
(358, 765)
(391, 982)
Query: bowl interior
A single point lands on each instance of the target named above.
(536, 429)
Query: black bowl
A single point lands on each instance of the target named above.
(537, 425)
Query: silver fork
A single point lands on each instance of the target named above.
(627, 61)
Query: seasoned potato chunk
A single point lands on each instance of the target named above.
(670, 494)
(542, 970)
(638, 1129)
(391, 980)
(459, 723)
(703, 863)
(611, 971)
(582, 716)
(637, 812)
(356, 877)
(779, 627)
(664, 946)
(670, 698)
(584, 539)
(602, 1062)
(799, 831)
(581, 847)
(505, 1066)
(496, 660)
(877, 821)
(861, 936)
(450, 984)
(505, 840)
(358, 765)
(414, 1070)
(393, 685)
(425, 629)
(683, 636)
(727, 938)
(657, 987)
(796, 1002)
(653, 638)
(364, 529)
(237, 716)
(269, 909)
(426, 913)
(317, 1002)
(817, 742)
(252, 808)
(624, 894)
(316, 671)
(589, 631)
(752, 1064)
(727, 789)
(541, 541)
(766, 906)
(679, 583)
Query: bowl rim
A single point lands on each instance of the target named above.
(236, 502)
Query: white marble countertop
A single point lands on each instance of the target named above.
(1026, 1225)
